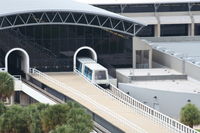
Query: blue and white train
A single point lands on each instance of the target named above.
(93, 71)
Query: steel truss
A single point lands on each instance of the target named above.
(70, 18)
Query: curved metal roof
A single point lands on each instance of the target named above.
(18, 13)
(9, 7)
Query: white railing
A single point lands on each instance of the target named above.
(18, 85)
(17, 77)
(14, 76)
(121, 120)
(2, 69)
(143, 109)
(17, 82)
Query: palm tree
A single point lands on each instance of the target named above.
(190, 115)
(2, 108)
(79, 119)
(34, 120)
(53, 116)
(63, 129)
(6, 85)
(42, 118)
(70, 114)
(14, 120)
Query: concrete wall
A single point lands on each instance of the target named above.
(138, 44)
(192, 70)
(24, 99)
(168, 60)
(113, 81)
(127, 79)
(177, 64)
(171, 39)
(169, 103)
(122, 78)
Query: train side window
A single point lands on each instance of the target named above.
(86, 72)
(79, 66)
(90, 74)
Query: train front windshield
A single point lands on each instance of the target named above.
(100, 75)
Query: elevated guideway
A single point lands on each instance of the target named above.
(34, 93)
(113, 105)
(43, 96)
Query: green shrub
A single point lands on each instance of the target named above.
(190, 115)
(14, 120)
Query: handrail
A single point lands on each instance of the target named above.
(119, 118)
(162, 118)
(144, 109)
(18, 77)
(44, 92)
(2, 70)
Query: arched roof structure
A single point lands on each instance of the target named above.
(40, 12)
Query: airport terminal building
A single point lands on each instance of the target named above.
(51, 33)
(56, 31)
(149, 48)
(164, 18)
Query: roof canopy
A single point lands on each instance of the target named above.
(31, 12)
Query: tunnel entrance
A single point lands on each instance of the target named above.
(14, 63)
(17, 62)
(85, 52)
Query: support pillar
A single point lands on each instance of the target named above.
(134, 55)
(192, 29)
(157, 30)
(12, 99)
(150, 58)
(134, 59)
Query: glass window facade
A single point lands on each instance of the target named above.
(136, 8)
(51, 47)
(112, 8)
(174, 30)
(128, 8)
(195, 7)
(175, 7)
(147, 31)
(142, 59)
(2, 53)
(197, 29)
(139, 8)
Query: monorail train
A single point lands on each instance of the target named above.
(80, 64)
(93, 71)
